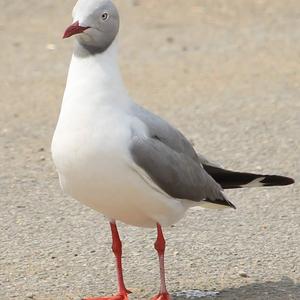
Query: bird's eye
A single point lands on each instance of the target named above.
(104, 16)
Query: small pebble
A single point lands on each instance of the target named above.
(134, 2)
(184, 48)
(51, 47)
(243, 274)
(170, 39)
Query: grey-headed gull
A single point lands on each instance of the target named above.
(122, 160)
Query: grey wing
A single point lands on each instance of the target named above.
(172, 163)
(175, 173)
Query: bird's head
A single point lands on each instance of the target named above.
(95, 24)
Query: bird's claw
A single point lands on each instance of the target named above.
(122, 296)
(162, 296)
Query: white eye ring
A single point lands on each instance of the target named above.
(104, 16)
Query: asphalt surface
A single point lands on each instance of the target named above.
(227, 73)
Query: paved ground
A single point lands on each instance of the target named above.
(227, 73)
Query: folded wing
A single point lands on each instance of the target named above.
(177, 174)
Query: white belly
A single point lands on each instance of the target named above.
(98, 171)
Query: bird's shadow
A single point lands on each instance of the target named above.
(285, 289)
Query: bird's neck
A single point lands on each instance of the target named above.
(96, 76)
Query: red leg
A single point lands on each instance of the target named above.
(160, 246)
(117, 250)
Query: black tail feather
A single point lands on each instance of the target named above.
(233, 180)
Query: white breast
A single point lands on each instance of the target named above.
(95, 167)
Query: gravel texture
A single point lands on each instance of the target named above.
(227, 73)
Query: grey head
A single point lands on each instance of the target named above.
(96, 25)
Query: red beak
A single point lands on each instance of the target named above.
(75, 28)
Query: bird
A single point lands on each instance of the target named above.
(122, 160)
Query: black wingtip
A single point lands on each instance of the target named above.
(230, 204)
(273, 180)
(221, 202)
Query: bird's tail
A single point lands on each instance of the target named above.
(233, 180)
